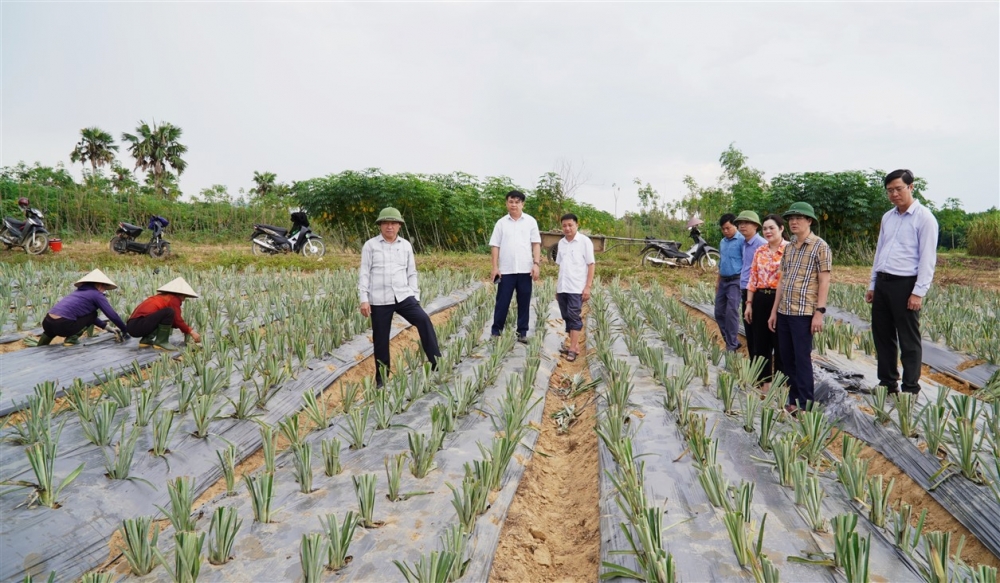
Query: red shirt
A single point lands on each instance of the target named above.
(157, 303)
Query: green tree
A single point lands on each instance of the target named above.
(96, 146)
(154, 148)
(122, 179)
(953, 222)
(264, 183)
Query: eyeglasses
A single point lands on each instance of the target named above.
(896, 189)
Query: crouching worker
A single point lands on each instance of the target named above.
(387, 285)
(78, 311)
(153, 319)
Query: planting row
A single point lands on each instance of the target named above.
(422, 422)
(183, 413)
(720, 442)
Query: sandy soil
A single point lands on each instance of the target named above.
(905, 489)
(552, 531)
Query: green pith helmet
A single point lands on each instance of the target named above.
(748, 216)
(803, 209)
(390, 214)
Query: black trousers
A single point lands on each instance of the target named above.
(765, 342)
(147, 325)
(896, 331)
(65, 327)
(411, 311)
(795, 341)
(509, 282)
(748, 331)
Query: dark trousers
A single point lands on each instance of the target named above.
(765, 342)
(891, 320)
(795, 342)
(571, 309)
(727, 311)
(509, 282)
(411, 311)
(147, 325)
(748, 331)
(65, 327)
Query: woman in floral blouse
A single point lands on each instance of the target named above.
(765, 273)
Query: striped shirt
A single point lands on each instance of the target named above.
(388, 272)
(800, 269)
(765, 272)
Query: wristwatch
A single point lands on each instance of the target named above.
(821, 310)
(537, 262)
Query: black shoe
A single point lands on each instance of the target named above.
(522, 338)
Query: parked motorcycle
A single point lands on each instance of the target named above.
(125, 239)
(270, 240)
(30, 234)
(669, 254)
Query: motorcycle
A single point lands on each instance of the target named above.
(270, 240)
(669, 254)
(29, 233)
(125, 237)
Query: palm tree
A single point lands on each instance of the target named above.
(96, 146)
(265, 183)
(154, 148)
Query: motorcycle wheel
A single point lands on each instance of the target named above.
(554, 252)
(37, 244)
(160, 251)
(654, 258)
(709, 261)
(313, 248)
(118, 245)
(259, 249)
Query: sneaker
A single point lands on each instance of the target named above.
(522, 338)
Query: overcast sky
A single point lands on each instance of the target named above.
(621, 90)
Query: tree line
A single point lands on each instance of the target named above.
(453, 211)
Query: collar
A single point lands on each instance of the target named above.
(753, 239)
(808, 240)
(513, 219)
(382, 239)
(913, 207)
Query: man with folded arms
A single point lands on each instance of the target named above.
(727, 285)
(901, 275)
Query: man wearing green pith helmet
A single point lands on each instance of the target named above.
(387, 285)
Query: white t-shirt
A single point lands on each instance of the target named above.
(514, 238)
(573, 258)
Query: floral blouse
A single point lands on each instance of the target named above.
(765, 271)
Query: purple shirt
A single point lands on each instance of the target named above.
(749, 248)
(86, 300)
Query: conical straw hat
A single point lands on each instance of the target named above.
(96, 276)
(179, 287)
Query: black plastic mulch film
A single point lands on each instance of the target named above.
(972, 505)
(73, 538)
(694, 531)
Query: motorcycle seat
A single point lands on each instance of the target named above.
(131, 229)
(279, 230)
(14, 222)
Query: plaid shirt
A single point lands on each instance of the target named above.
(800, 269)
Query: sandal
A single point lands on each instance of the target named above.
(570, 356)
(563, 349)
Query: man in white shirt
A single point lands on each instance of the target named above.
(575, 257)
(387, 285)
(516, 248)
(901, 275)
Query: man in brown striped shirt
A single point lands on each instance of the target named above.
(800, 303)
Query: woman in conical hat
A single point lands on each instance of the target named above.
(157, 316)
(78, 311)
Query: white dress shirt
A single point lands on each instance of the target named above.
(907, 246)
(574, 259)
(388, 272)
(514, 238)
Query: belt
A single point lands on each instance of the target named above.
(730, 277)
(890, 277)
(768, 291)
